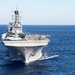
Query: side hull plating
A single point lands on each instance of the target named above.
(28, 54)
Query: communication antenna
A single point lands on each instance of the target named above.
(16, 7)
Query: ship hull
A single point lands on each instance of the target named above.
(27, 54)
(28, 51)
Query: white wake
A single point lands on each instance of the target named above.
(45, 57)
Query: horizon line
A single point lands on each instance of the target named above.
(42, 24)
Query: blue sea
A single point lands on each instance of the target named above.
(60, 52)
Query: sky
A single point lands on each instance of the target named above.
(39, 12)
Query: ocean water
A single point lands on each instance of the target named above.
(59, 53)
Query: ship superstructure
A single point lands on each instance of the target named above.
(27, 46)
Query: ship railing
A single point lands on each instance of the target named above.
(29, 41)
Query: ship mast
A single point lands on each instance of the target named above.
(16, 26)
(17, 17)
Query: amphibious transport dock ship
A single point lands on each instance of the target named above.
(27, 46)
